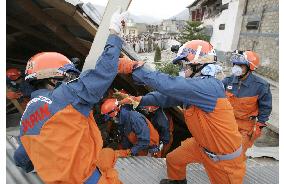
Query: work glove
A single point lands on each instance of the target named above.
(11, 95)
(132, 100)
(126, 66)
(155, 148)
(123, 153)
(119, 96)
(257, 130)
(117, 21)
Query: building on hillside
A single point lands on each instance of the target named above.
(171, 28)
(220, 19)
(152, 28)
(133, 29)
(244, 25)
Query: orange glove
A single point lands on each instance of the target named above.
(123, 153)
(11, 95)
(126, 66)
(257, 130)
(134, 100)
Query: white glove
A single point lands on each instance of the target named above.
(117, 19)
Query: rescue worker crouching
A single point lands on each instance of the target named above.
(59, 137)
(249, 95)
(138, 136)
(216, 142)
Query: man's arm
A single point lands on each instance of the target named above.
(264, 104)
(161, 120)
(192, 91)
(158, 99)
(140, 128)
(92, 84)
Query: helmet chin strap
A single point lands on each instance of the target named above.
(241, 77)
(196, 69)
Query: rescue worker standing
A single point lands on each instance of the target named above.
(138, 136)
(249, 95)
(58, 134)
(216, 142)
(17, 87)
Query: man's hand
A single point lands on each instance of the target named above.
(11, 95)
(117, 21)
(123, 153)
(257, 130)
(132, 100)
(126, 66)
(119, 96)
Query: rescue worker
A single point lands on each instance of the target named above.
(249, 95)
(17, 87)
(138, 136)
(163, 123)
(216, 142)
(58, 134)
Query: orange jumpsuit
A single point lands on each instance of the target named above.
(210, 119)
(252, 101)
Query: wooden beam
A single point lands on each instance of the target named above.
(33, 32)
(70, 10)
(86, 43)
(42, 17)
(62, 5)
(85, 23)
(103, 32)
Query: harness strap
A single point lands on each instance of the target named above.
(217, 158)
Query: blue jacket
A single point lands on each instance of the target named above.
(79, 95)
(252, 86)
(133, 121)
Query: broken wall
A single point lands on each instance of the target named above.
(265, 39)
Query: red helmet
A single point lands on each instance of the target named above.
(13, 73)
(45, 65)
(249, 58)
(110, 107)
(196, 52)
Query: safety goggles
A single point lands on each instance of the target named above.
(239, 59)
(182, 55)
(201, 59)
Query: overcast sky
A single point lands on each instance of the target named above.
(160, 9)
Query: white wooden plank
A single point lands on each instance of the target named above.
(103, 32)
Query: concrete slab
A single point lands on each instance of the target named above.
(256, 152)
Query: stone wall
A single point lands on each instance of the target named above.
(265, 40)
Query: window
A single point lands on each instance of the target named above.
(222, 27)
(193, 13)
(197, 15)
(252, 25)
(224, 6)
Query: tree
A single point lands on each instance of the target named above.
(157, 57)
(193, 31)
(168, 67)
